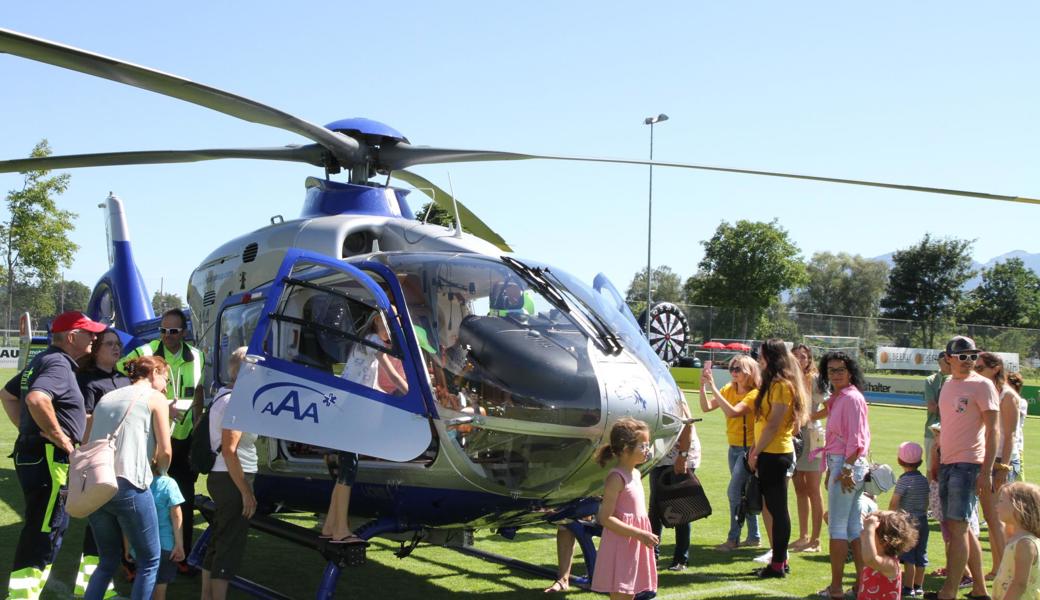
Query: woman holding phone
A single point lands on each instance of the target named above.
(736, 399)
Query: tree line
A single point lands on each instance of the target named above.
(755, 274)
(35, 248)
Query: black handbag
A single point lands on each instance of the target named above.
(751, 495)
(680, 498)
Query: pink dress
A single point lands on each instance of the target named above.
(874, 585)
(623, 564)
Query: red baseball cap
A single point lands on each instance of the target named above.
(73, 319)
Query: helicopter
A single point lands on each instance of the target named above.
(515, 369)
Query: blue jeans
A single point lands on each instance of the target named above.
(131, 512)
(957, 490)
(738, 478)
(1016, 470)
(844, 521)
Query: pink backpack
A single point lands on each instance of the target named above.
(92, 473)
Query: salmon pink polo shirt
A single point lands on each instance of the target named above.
(848, 430)
(962, 402)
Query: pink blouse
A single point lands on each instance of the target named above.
(848, 431)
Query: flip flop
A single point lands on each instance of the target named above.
(978, 596)
(350, 539)
(557, 586)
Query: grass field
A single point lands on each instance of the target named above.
(432, 572)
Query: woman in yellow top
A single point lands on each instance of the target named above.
(780, 410)
(736, 399)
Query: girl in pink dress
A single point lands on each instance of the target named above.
(625, 564)
(886, 535)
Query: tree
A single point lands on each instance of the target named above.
(745, 267)
(1009, 296)
(164, 302)
(437, 216)
(842, 284)
(925, 283)
(665, 286)
(34, 240)
(70, 295)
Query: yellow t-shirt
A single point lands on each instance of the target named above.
(780, 393)
(735, 433)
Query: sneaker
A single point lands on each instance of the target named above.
(751, 543)
(966, 582)
(918, 591)
(908, 592)
(677, 566)
(766, 558)
(727, 546)
(768, 572)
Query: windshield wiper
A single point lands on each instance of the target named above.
(607, 336)
(536, 278)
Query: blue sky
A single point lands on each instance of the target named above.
(928, 93)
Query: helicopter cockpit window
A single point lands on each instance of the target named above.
(237, 324)
(328, 321)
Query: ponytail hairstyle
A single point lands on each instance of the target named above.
(783, 368)
(625, 435)
(143, 367)
(993, 361)
(1016, 382)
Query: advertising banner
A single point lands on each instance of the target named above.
(924, 359)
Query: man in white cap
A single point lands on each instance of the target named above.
(968, 405)
(45, 403)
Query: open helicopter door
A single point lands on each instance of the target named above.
(326, 365)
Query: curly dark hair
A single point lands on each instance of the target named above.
(896, 532)
(855, 373)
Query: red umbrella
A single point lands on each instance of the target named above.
(713, 346)
(738, 346)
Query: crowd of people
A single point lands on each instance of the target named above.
(789, 418)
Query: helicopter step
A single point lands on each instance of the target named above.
(338, 556)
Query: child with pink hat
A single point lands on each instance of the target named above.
(911, 495)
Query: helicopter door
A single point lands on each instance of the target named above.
(326, 365)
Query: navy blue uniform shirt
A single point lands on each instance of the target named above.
(52, 372)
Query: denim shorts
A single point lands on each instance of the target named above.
(957, 489)
(844, 521)
(1016, 470)
(918, 555)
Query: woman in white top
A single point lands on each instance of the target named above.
(138, 417)
(230, 484)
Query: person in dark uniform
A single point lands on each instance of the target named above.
(97, 376)
(46, 404)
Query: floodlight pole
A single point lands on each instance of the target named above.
(651, 121)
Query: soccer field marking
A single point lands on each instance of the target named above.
(737, 589)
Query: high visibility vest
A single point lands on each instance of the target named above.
(185, 373)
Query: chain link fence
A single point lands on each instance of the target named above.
(716, 323)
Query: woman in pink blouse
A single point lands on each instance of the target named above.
(848, 440)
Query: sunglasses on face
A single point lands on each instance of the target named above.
(170, 330)
(736, 370)
(966, 357)
(838, 371)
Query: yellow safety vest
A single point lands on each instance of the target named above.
(185, 373)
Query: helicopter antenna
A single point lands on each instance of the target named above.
(455, 204)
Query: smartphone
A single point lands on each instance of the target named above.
(707, 365)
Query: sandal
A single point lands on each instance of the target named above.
(560, 585)
(728, 546)
(350, 539)
(826, 593)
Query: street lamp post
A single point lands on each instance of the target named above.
(651, 121)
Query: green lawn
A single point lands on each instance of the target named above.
(431, 572)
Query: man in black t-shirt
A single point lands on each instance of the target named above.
(46, 404)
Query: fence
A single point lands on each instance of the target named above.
(712, 322)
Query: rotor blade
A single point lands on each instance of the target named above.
(311, 154)
(405, 155)
(470, 222)
(345, 149)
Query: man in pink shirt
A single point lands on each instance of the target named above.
(968, 405)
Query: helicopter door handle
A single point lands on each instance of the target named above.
(459, 421)
(253, 358)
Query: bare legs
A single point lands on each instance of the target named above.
(564, 559)
(810, 503)
(336, 524)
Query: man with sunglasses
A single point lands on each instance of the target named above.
(968, 405)
(185, 382)
(45, 403)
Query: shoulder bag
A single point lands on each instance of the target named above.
(92, 473)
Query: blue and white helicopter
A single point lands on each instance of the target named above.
(515, 369)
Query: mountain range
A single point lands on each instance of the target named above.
(1031, 261)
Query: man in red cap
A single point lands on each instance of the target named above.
(45, 403)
